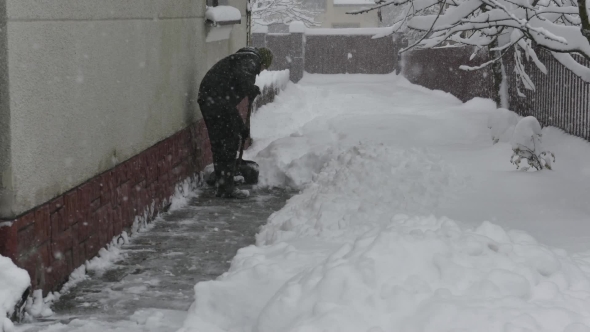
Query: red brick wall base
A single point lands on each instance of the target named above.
(55, 238)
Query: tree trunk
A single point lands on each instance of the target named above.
(497, 75)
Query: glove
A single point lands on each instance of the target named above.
(245, 133)
(255, 91)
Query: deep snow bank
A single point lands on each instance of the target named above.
(339, 257)
(428, 274)
(13, 283)
(360, 189)
(358, 249)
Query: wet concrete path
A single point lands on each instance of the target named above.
(161, 266)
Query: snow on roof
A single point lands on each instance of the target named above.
(223, 14)
(257, 28)
(353, 2)
(296, 27)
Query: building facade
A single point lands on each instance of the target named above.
(93, 93)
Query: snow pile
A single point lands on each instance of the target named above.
(223, 14)
(293, 162)
(273, 79)
(526, 144)
(428, 274)
(340, 257)
(527, 135)
(502, 123)
(365, 245)
(14, 282)
(360, 189)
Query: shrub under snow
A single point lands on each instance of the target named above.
(502, 123)
(526, 144)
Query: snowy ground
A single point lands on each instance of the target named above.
(408, 219)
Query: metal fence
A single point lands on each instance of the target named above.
(560, 99)
(330, 52)
(349, 54)
(438, 69)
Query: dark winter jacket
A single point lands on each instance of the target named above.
(232, 79)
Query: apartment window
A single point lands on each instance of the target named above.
(319, 5)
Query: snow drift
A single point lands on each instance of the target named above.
(14, 282)
(365, 245)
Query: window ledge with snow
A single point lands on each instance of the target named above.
(222, 16)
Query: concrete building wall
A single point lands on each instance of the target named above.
(91, 83)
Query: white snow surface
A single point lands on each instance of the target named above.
(273, 78)
(408, 219)
(13, 283)
(527, 135)
(378, 32)
(354, 2)
(501, 124)
(297, 27)
(223, 14)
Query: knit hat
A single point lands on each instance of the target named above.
(265, 57)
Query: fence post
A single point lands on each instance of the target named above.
(297, 31)
(400, 42)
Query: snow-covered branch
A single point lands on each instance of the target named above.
(267, 12)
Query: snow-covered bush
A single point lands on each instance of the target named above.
(502, 123)
(526, 144)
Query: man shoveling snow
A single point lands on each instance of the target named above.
(226, 85)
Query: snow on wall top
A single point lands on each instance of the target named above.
(257, 28)
(223, 14)
(297, 27)
(349, 31)
(13, 283)
(353, 2)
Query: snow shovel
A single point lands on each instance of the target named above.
(246, 168)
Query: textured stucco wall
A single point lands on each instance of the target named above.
(94, 82)
(5, 153)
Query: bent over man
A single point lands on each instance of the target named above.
(224, 86)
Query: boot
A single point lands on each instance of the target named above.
(225, 182)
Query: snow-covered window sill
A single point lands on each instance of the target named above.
(223, 16)
(220, 20)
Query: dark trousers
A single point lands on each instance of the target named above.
(224, 136)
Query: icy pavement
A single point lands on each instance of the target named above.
(151, 288)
